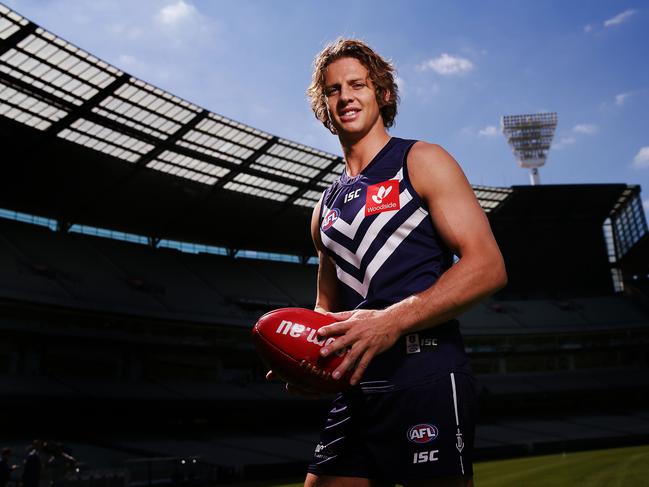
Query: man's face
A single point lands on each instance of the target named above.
(351, 98)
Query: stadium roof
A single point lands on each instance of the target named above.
(87, 143)
(59, 89)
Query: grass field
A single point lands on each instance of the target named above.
(617, 467)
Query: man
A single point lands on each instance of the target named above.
(31, 476)
(386, 232)
(60, 464)
(6, 467)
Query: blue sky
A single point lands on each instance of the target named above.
(461, 66)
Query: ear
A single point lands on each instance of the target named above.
(386, 98)
(328, 123)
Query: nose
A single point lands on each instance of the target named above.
(346, 94)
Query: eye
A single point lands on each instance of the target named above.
(358, 85)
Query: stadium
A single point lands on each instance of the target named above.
(125, 316)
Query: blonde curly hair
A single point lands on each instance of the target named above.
(382, 74)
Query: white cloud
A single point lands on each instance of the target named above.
(175, 13)
(488, 131)
(588, 28)
(618, 100)
(579, 129)
(621, 98)
(447, 65)
(401, 85)
(585, 128)
(563, 142)
(641, 159)
(619, 18)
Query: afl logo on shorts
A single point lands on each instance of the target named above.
(422, 433)
(330, 218)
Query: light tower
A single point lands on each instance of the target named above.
(530, 137)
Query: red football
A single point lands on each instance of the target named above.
(287, 340)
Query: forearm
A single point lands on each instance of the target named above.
(366, 333)
(458, 289)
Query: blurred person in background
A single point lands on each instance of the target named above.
(6, 467)
(32, 466)
(60, 464)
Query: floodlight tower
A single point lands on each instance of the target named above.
(530, 137)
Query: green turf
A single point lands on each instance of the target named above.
(610, 468)
(617, 467)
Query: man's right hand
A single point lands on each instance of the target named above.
(295, 390)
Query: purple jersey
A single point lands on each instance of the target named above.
(379, 233)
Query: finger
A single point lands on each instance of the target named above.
(336, 345)
(341, 315)
(335, 329)
(361, 366)
(270, 375)
(347, 363)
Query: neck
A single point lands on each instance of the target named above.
(360, 152)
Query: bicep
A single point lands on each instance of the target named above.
(326, 284)
(454, 209)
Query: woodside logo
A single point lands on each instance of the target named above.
(382, 197)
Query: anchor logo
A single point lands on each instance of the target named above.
(459, 444)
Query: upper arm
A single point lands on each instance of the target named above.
(453, 207)
(327, 280)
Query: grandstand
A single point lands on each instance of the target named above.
(130, 275)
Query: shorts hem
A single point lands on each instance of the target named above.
(337, 472)
(380, 478)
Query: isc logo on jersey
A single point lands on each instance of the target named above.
(422, 433)
(330, 218)
(382, 197)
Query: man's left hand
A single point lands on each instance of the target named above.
(365, 333)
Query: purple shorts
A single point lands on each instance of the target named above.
(421, 431)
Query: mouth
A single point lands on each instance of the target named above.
(349, 114)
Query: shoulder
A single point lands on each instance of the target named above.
(432, 169)
(425, 155)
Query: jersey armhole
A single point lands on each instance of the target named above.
(320, 216)
(321, 209)
(406, 177)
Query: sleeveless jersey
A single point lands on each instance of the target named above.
(380, 235)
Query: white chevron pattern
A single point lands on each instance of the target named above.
(354, 258)
(350, 229)
(382, 255)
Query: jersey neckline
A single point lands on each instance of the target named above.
(345, 179)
